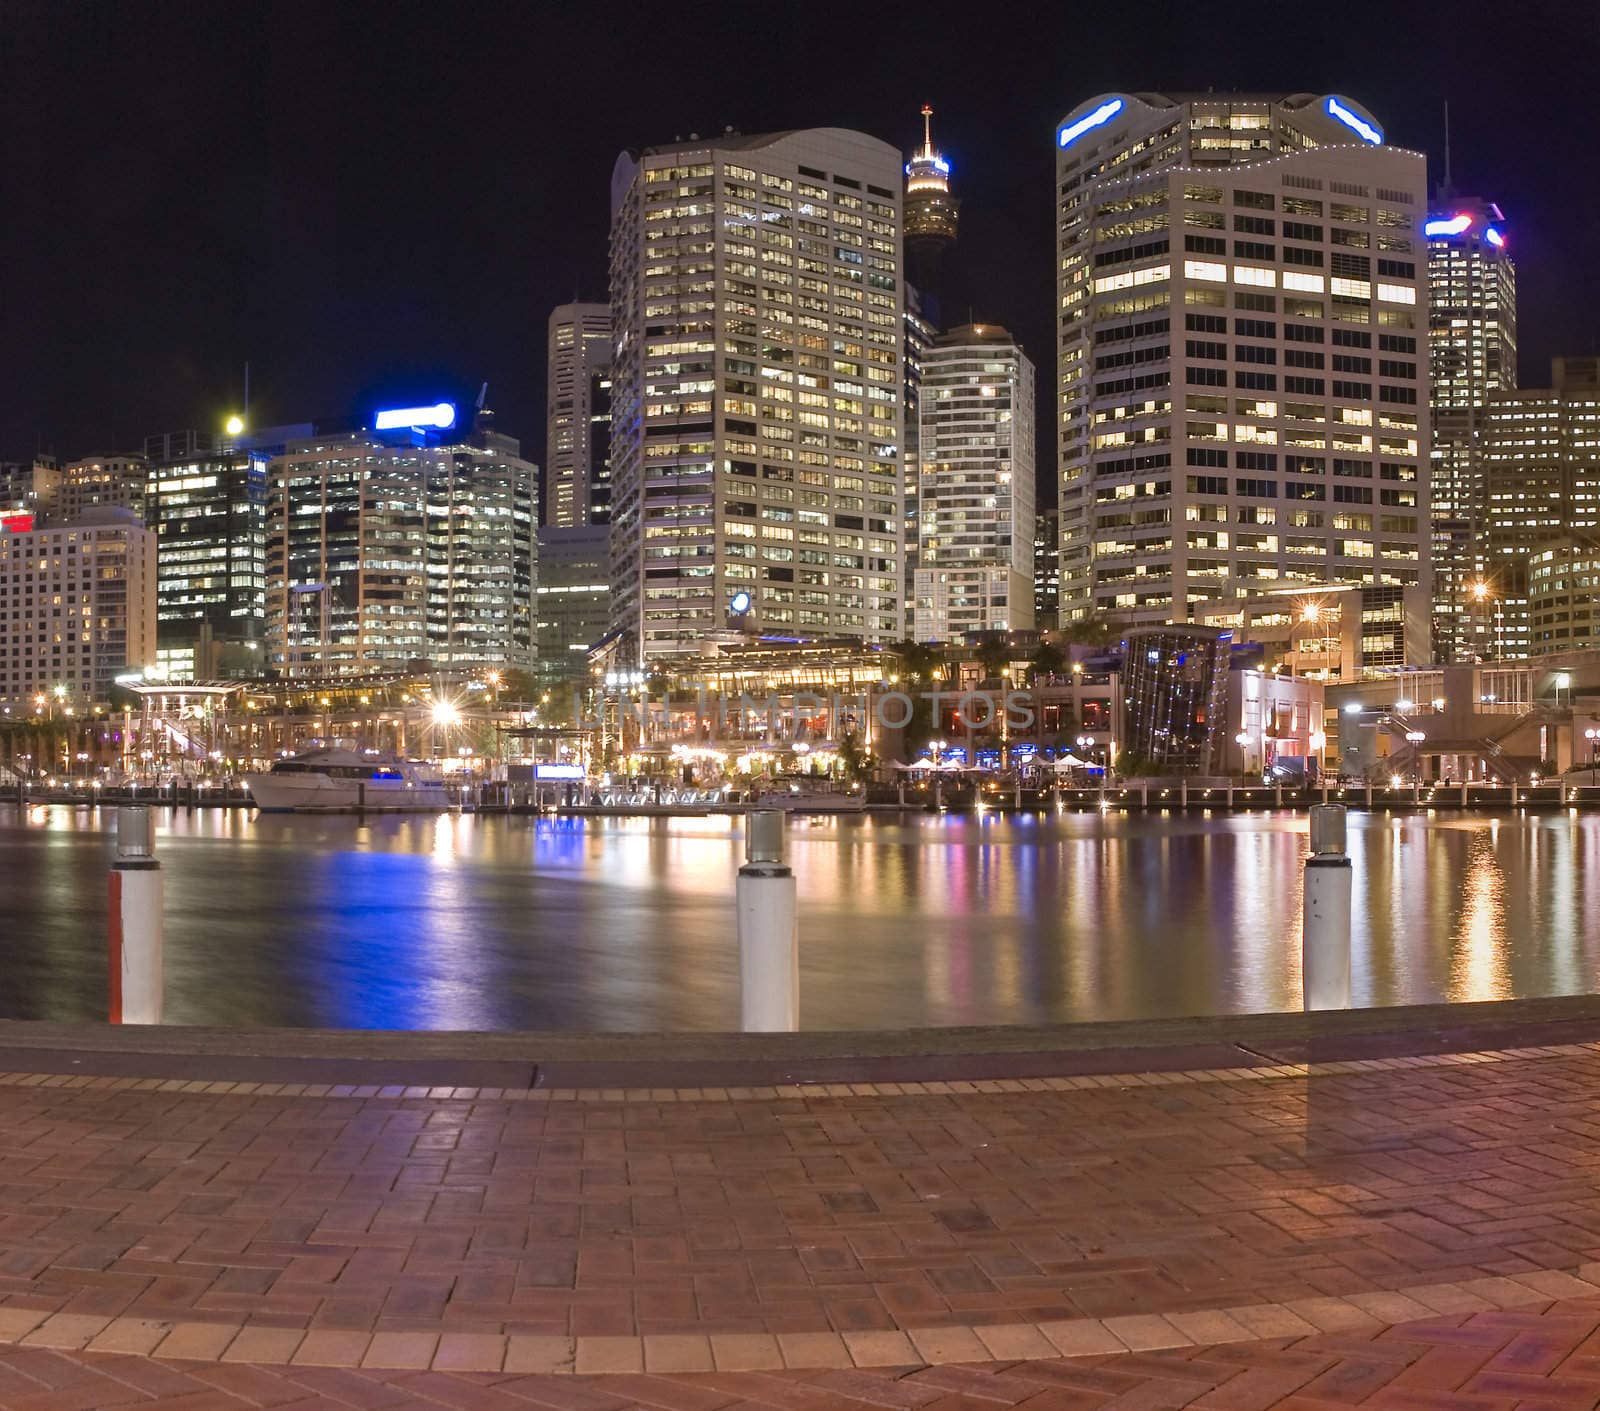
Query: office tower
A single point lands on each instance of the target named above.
(920, 333)
(578, 416)
(98, 482)
(205, 497)
(572, 605)
(1046, 568)
(77, 608)
(1242, 404)
(931, 213)
(1541, 452)
(757, 391)
(976, 486)
(407, 547)
(1472, 354)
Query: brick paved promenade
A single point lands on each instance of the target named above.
(1402, 1233)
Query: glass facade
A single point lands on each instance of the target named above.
(1175, 684)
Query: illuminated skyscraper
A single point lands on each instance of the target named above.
(757, 392)
(920, 333)
(1242, 409)
(975, 473)
(578, 416)
(1472, 353)
(932, 213)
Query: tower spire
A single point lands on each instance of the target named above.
(1447, 185)
(927, 129)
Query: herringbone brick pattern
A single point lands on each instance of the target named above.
(1545, 1359)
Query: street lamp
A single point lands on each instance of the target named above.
(1318, 741)
(1242, 740)
(1415, 738)
(1593, 737)
(1086, 743)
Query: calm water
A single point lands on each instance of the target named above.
(498, 923)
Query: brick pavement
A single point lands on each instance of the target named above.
(262, 1244)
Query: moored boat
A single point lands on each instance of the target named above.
(346, 781)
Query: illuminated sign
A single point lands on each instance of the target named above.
(1098, 118)
(1494, 237)
(1447, 225)
(558, 771)
(1358, 125)
(739, 604)
(15, 521)
(442, 416)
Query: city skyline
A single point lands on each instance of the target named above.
(278, 230)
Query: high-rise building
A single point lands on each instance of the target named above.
(757, 302)
(1541, 456)
(572, 603)
(1242, 384)
(920, 333)
(1046, 569)
(578, 416)
(205, 497)
(77, 608)
(932, 213)
(1472, 354)
(976, 486)
(98, 482)
(401, 549)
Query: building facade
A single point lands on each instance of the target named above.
(205, 498)
(757, 423)
(1472, 356)
(1541, 449)
(1175, 687)
(1242, 384)
(920, 333)
(403, 551)
(975, 486)
(578, 416)
(572, 604)
(1046, 569)
(77, 609)
(98, 482)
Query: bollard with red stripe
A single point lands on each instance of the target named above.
(135, 922)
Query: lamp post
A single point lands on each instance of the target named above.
(1319, 742)
(1593, 737)
(1086, 743)
(1242, 740)
(1415, 738)
(1310, 613)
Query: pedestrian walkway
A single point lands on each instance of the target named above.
(1410, 1232)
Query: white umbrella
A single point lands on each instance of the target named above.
(916, 764)
(1071, 761)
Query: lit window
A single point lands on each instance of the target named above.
(1205, 269)
(1255, 274)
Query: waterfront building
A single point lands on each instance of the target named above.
(77, 609)
(1331, 631)
(1046, 568)
(572, 604)
(1472, 356)
(1564, 597)
(205, 498)
(1272, 724)
(1541, 456)
(975, 486)
(1175, 683)
(920, 333)
(401, 548)
(578, 416)
(932, 212)
(757, 391)
(1242, 393)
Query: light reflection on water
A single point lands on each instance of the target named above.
(497, 923)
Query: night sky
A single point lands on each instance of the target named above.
(381, 204)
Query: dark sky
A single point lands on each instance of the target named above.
(381, 203)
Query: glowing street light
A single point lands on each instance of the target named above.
(234, 425)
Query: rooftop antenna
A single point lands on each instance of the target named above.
(483, 396)
(1447, 186)
(247, 394)
(927, 128)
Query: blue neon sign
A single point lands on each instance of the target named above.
(441, 416)
(1447, 225)
(1358, 125)
(739, 604)
(1494, 237)
(1098, 118)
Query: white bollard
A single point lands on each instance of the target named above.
(769, 930)
(135, 957)
(1325, 934)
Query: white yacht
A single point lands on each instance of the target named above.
(341, 780)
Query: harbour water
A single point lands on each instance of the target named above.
(463, 922)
